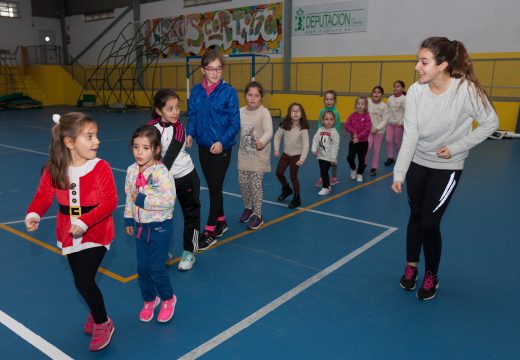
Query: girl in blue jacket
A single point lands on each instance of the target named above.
(214, 120)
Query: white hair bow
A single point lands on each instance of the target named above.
(56, 118)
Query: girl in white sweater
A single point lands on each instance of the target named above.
(379, 116)
(394, 129)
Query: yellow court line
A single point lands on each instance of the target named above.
(219, 243)
(57, 251)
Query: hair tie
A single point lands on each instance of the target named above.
(56, 118)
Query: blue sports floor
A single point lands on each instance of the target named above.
(320, 282)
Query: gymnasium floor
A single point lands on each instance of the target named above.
(320, 282)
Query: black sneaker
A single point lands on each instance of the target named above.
(372, 172)
(207, 240)
(295, 202)
(389, 161)
(221, 228)
(429, 287)
(409, 278)
(285, 192)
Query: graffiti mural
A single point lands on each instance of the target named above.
(247, 29)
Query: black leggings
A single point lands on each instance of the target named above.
(214, 168)
(84, 265)
(429, 193)
(188, 190)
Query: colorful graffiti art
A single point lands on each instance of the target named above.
(251, 29)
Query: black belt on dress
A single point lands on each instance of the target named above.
(75, 210)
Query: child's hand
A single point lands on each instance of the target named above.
(443, 152)
(333, 162)
(374, 130)
(259, 145)
(216, 148)
(355, 140)
(189, 141)
(276, 154)
(299, 163)
(31, 224)
(134, 196)
(129, 230)
(314, 152)
(76, 231)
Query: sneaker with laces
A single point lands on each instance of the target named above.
(429, 286)
(334, 181)
(353, 174)
(207, 240)
(167, 310)
(324, 191)
(409, 277)
(88, 328)
(146, 313)
(319, 182)
(187, 260)
(255, 222)
(101, 335)
(221, 228)
(359, 178)
(246, 215)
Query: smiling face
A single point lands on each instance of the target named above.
(84, 147)
(213, 72)
(144, 153)
(427, 68)
(253, 98)
(170, 111)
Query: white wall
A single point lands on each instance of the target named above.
(394, 27)
(25, 30)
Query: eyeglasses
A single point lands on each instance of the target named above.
(296, 111)
(214, 70)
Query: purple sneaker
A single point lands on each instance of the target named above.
(409, 278)
(255, 222)
(246, 215)
(429, 286)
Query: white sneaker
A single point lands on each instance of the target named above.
(324, 191)
(353, 174)
(187, 261)
(359, 178)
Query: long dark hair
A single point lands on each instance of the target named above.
(159, 100)
(400, 82)
(70, 125)
(153, 135)
(459, 64)
(287, 124)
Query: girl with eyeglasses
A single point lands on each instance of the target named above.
(214, 120)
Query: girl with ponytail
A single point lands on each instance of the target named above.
(438, 134)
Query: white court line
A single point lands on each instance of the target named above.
(43, 153)
(257, 315)
(34, 339)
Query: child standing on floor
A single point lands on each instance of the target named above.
(325, 145)
(330, 105)
(254, 154)
(165, 117)
(214, 120)
(379, 116)
(394, 130)
(358, 126)
(85, 190)
(294, 129)
(150, 196)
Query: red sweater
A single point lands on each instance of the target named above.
(359, 124)
(94, 186)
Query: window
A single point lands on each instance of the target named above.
(188, 3)
(9, 9)
(99, 16)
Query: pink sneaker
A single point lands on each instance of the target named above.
(88, 328)
(101, 335)
(146, 313)
(167, 310)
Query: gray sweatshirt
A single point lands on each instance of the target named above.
(432, 121)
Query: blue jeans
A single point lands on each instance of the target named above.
(152, 253)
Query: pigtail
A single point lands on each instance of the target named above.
(59, 160)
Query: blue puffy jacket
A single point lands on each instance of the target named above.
(215, 117)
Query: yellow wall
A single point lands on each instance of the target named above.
(56, 83)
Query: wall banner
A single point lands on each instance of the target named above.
(249, 29)
(336, 18)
